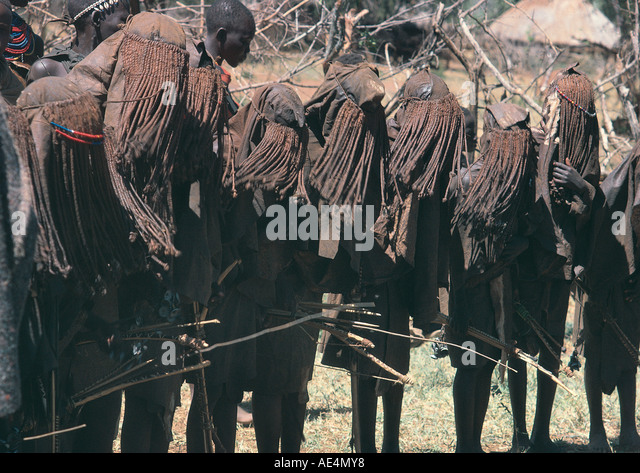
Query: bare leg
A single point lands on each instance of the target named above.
(392, 406)
(540, 437)
(483, 394)
(518, 393)
(464, 401)
(555, 325)
(195, 432)
(367, 405)
(142, 430)
(101, 417)
(267, 421)
(629, 439)
(293, 413)
(597, 436)
(224, 415)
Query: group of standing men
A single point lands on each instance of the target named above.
(151, 190)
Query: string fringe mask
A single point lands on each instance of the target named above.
(491, 205)
(357, 142)
(276, 163)
(203, 124)
(153, 109)
(146, 226)
(49, 252)
(431, 140)
(577, 127)
(83, 229)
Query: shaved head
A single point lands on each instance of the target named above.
(228, 14)
(230, 30)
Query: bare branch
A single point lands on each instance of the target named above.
(511, 88)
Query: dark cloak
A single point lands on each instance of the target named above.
(17, 249)
(421, 233)
(611, 280)
(481, 289)
(375, 281)
(559, 242)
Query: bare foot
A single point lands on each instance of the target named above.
(245, 418)
(630, 441)
(598, 443)
(520, 442)
(543, 446)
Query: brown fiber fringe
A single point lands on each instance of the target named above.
(417, 164)
(578, 133)
(357, 143)
(49, 253)
(148, 133)
(87, 230)
(146, 226)
(491, 205)
(202, 125)
(276, 164)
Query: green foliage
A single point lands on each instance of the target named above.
(620, 12)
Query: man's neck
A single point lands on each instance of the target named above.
(85, 42)
(211, 45)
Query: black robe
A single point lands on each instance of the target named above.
(611, 281)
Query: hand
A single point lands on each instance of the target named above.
(565, 176)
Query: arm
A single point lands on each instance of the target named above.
(566, 176)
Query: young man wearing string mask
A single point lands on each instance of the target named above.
(566, 192)
(489, 199)
(94, 22)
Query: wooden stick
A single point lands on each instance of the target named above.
(442, 318)
(57, 432)
(404, 379)
(106, 391)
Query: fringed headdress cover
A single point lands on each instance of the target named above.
(204, 124)
(571, 131)
(140, 76)
(430, 141)
(355, 141)
(490, 207)
(148, 133)
(83, 230)
(272, 145)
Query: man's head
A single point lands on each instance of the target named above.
(230, 30)
(109, 19)
(5, 24)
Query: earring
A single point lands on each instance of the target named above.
(96, 18)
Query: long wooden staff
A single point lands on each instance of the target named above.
(352, 340)
(201, 384)
(321, 324)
